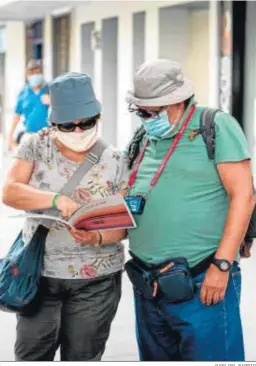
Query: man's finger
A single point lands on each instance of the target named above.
(203, 294)
(222, 294)
(216, 297)
(209, 296)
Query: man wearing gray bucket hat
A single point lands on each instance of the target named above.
(80, 286)
(192, 214)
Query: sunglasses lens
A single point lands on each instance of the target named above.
(88, 124)
(67, 127)
(83, 125)
(144, 114)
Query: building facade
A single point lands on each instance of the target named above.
(110, 39)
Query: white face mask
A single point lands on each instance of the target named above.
(78, 141)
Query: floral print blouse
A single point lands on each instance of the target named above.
(64, 257)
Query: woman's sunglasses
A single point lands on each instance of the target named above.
(85, 124)
(142, 113)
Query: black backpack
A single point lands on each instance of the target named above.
(207, 130)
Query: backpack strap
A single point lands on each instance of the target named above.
(207, 130)
(134, 147)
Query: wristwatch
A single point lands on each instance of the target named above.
(222, 264)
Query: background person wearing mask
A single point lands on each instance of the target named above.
(32, 104)
(80, 286)
(195, 217)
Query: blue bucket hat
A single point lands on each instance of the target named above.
(72, 97)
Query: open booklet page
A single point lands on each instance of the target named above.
(107, 213)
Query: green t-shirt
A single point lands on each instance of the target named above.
(186, 212)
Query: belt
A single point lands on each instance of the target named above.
(194, 271)
(201, 266)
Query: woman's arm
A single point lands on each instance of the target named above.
(93, 237)
(18, 194)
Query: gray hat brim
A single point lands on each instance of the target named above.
(179, 95)
(80, 111)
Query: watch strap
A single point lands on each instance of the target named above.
(223, 264)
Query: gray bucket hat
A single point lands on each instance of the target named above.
(160, 83)
(72, 97)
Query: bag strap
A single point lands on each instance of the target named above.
(134, 147)
(91, 159)
(207, 130)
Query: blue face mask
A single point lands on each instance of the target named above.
(158, 126)
(35, 80)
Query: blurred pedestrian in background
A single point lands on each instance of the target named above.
(32, 104)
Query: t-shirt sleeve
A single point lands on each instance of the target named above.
(26, 149)
(230, 142)
(122, 173)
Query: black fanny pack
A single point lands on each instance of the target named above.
(171, 280)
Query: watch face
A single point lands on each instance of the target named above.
(224, 266)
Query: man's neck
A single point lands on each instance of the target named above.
(180, 114)
(37, 89)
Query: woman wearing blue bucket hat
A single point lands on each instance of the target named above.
(81, 281)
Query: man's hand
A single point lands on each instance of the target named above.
(45, 99)
(84, 237)
(214, 286)
(44, 132)
(11, 144)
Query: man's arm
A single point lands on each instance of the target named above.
(237, 181)
(15, 121)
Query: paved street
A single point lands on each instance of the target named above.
(121, 345)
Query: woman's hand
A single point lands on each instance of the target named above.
(85, 237)
(66, 206)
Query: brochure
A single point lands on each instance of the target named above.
(107, 213)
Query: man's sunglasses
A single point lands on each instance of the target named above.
(142, 113)
(85, 124)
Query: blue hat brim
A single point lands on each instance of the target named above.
(66, 114)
